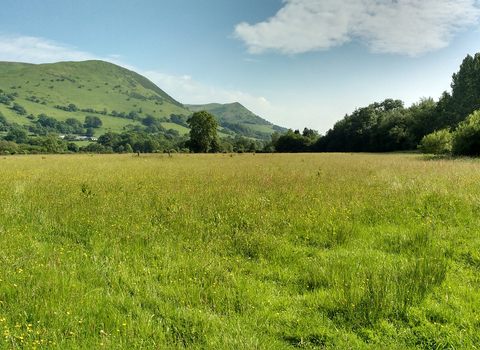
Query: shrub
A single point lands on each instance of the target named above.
(8, 147)
(438, 142)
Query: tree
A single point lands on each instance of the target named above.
(203, 133)
(92, 122)
(19, 109)
(293, 142)
(76, 125)
(72, 107)
(128, 148)
(310, 133)
(466, 88)
(438, 142)
(466, 138)
(17, 135)
(110, 139)
(179, 119)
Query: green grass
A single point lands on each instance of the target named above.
(261, 128)
(181, 129)
(309, 251)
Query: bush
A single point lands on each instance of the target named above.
(8, 147)
(439, 142)
(466, 138)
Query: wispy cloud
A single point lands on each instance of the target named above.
(38, 50)
(251, 60)
(409, 27)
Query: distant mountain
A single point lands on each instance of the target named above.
(121, 98)
(237, 118)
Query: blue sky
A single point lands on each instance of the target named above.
(296, 63)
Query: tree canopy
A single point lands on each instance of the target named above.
(203, 132)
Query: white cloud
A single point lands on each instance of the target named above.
(410, 27)
(38, 50)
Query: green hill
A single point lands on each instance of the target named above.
(91, 87)
(238, 119)
(231, 112)
(120, 97)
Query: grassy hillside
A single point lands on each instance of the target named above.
(231, 112)
(95, 85)
(305, 251)
(101, 88)
(235, 113)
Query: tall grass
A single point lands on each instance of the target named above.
(245, 251)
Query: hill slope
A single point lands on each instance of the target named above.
(235, 113)
(92, 87)
(120, 97)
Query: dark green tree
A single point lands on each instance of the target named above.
(19, 109)
(466, 88)
(110, 139)
(203, 133)
(293, 142)
(72, 107)
(466, 138)
(17, 135)
(92, 122)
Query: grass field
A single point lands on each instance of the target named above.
(265, 251)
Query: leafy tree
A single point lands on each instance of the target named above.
(54, 145)
(203, 133)
(95, 148)
(179, 119)
(73, 147)
(293, 142)
(8, 147)
(133, 115)
(438, 142)
(226, 147)
(173, 132)
(466, 88)
(466, 138)
(76, 125)
(270, 145)
(92, 122)
(425, 119)
(110, 139)
(148, 120)
(151, 146)
(72, 107)
(90, 132)
(4, 125)
(310, 133)
(17, 135)
(19, 109)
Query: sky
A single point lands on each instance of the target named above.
(295, 63)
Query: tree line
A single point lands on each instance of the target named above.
(449, 125)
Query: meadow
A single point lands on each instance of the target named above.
(218, 251)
